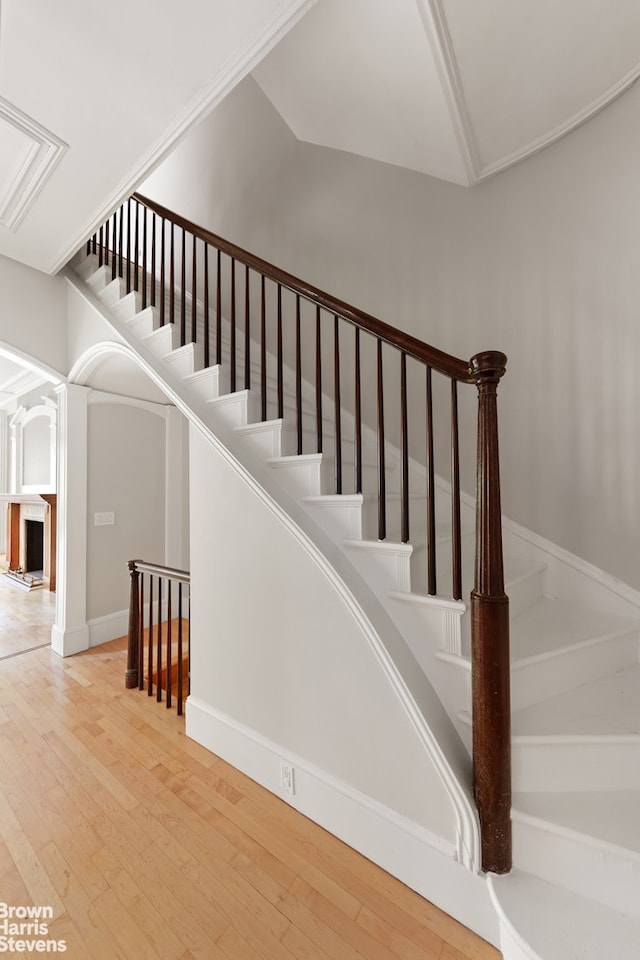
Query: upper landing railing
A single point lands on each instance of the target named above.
(366, 371)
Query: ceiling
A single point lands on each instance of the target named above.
(93, 97)
(18, 379)
(457, 89)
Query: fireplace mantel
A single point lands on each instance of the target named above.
(17, 509)
(27, 497)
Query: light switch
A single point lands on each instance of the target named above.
(104, 519)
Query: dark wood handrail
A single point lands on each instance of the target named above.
(443, 362)
(171, 573)
(134, 674)
(489, 603)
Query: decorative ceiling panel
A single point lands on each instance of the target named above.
(28, 156)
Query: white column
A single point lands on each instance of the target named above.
(4, 476)
(176, 539)
(53, 439)
(70, 633)
(15, 456)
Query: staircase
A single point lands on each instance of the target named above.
(575, 673)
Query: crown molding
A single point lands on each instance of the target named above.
(236, 68)
(535, 146)
(44, 152)
(437, 30)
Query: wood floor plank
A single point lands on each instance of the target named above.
(87, 935)
(352, 933)
(430, 947)
(301, 946)
(149, 846)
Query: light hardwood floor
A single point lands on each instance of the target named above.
(148, 846)
(26, 616)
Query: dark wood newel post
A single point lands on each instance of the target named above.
(490, 671)
(131, 673)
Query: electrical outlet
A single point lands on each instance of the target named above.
(287, 777)
(104, 519)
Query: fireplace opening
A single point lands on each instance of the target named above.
(34, 554)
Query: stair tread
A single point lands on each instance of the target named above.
(553, 924)
(549, 625)
(607, 707)
(608, 817)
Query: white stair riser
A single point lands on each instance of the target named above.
(85, 265)
(269, 439)
(605, 764)
(144, 323)
(385, 566)
(99, 279)
(524, 591)
(600, 872)
(340, 517)
(234, 409)
(185, 360)
(113, 292)
(163, 341)
(301, 476)
(208, 384)
(128, 306)
(535, 681)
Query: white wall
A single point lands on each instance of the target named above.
(37, 469)
(222, 172)
(126, 476)
(285, 668)
(33, 314)
(541, 262)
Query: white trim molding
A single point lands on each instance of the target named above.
(21, 419)
(424, 861)
(231, 73)
(70, 633)
(562, 129)
(44, 151)
(435, 23)
(437, 30)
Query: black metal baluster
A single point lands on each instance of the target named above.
(128, 272)
(183, 281)
(152, 279)
(194, 285)
(219, 310)
(318, 382)
(247, 331)
(135, 248)
(159, 657)
(263, 349)
(455, 495)
(150, 640)
(404, 446)
(431, 491)
(206, 306)
(232, 343)
(298, 376)
(358, 416)
(280, 360)
(382, 482)
(337, 405)
(172, 277)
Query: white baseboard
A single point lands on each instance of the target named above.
(67, 642)
(114, 625)
(109, 627)
(407, 850)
